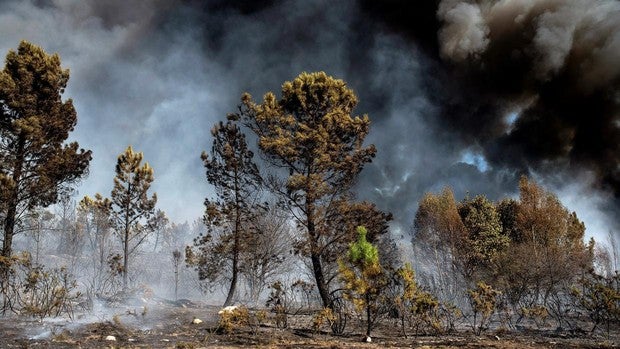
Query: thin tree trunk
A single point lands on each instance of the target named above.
(9, 220)
(235, 271)
(126, 242)
(156, 241)
(9, 226)
(37, 244)
(233, 284)
(176, 280)
(368, 324)
(236, 243)
(125, 258)
(315, 257)
(320, 281)
(402, 323)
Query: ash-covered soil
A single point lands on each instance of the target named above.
(171, 325)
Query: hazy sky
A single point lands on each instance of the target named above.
(469, 94)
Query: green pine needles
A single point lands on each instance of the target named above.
(363, 278)
(362, 252)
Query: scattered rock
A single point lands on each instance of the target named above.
(368, 339)
(497, 337)
(110, 338)
(196, 321)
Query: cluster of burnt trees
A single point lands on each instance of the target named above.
(38, 168)
(525, 257)
(36, 164)
(530, 252)
(293, 202)
(312, 150)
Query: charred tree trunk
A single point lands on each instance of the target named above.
(236, 245)
(235, 265)
(233, 281)
(9, 226)
(125, 258)
(9, 220)
(315, 257)
(126, 238)
(176, 257)
(368, 322)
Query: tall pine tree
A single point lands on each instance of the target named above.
(311, 134)
(230, 169)
(131, 206)
(35, 161)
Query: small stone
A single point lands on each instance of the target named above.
(196, 321)
(497, 337)
(368, 339)
(229, 309)
(110, 338)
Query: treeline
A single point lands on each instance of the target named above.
(286, 221)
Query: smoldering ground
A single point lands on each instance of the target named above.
(469, 94)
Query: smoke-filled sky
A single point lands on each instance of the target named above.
(469, 94)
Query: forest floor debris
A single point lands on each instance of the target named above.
(168, 326)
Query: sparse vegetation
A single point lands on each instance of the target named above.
(599, 298)
(364, 279)
(279, 303)
(483, 300)
(418, 309)
(33, 290)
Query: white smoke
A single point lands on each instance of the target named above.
(465, 32)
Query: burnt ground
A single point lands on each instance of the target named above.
(165, 325)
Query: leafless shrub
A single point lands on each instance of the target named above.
(31, 289)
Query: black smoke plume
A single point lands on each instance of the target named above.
(534, 83)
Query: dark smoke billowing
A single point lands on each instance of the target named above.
(533, 83)
(555, 64)
(469, 94)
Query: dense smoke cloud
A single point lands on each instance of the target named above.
(555, 64)
(462, 93)
(533, 84)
